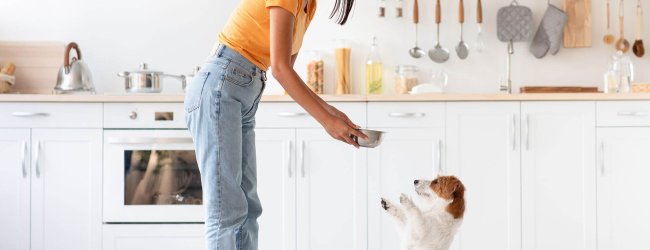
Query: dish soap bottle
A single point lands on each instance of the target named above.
(374, 70)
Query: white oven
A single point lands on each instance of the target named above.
(150, 169)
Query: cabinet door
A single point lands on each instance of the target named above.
(331, 191)
(623, 170)
(276, 185)
(558, 175)
(483, 151)
(66, 189)
(14, 176)
(153, 236)
(405, 155)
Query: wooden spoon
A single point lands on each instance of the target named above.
(638, 48)
(622, 44)
(608, 38)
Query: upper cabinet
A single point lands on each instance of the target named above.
(558, 175)
(483, 149)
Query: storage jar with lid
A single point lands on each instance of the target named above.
(406, 78)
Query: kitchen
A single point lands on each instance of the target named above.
(543, 171)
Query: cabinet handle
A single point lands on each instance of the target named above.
(406, 115)
(291, 114)
(37, 155)
(23, 158)
(513, 135)
(29, 114)
(634, 113)
(602, 158)
(527, 132)
(302, 159)
(288, 158)
(440, 167)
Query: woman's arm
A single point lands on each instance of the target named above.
(282, 61)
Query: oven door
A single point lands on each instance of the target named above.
(151, 176)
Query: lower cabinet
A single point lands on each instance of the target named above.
(153, 236)
(312, 189)
(623, 172)
(15, 179)
(483, 150)
(405, 155)
(51, 179)
(558, 176)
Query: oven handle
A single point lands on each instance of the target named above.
(149, 140)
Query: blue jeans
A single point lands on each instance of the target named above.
(221, 102)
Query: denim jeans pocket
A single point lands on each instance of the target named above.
(195, 91)
(238, 75)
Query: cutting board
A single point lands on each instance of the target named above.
(37, 64)
(565, 89)
(577, 32)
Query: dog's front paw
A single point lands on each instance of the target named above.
(385, 204)
(405, 200)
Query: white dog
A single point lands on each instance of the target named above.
(432, 227)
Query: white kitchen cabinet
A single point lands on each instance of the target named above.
(405, 155)
(15, 179)
(623, 220)
(331, 191)
(276, 186)
(65, 191)
(483, 151)
(558, 176)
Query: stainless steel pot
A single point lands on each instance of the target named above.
(144, 80)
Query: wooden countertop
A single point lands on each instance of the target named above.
(109, 98)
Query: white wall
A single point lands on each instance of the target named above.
(173, 36)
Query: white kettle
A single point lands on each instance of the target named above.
(74, 75)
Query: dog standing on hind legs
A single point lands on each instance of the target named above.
(433, 226)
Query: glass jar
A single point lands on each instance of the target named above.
(406, 78)
(315, 71)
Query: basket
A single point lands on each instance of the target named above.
(5, 87)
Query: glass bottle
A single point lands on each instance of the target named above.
(374, 71)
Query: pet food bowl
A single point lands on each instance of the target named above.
(374, 138)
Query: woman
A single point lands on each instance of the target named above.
(221, 104)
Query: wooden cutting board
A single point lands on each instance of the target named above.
(37, 64)
(565, 89)
(577, 32)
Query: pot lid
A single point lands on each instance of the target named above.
(144, 68)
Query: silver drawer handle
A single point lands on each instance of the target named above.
(292, 114)
(29, 114)
(149, 140)
(633, 113)
(405, 115)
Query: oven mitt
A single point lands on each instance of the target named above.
(550, 32)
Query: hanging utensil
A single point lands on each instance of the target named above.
(638, 48)
(514, 24)
(416, 52)
(480, 42)
(462, 50)
(438, 53)
(608, 38)
(622, 44)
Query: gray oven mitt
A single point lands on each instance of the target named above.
(550, 32)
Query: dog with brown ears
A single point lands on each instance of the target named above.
(432, 226)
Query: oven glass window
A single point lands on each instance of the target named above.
(161, 177)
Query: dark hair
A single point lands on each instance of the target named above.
(342, 9)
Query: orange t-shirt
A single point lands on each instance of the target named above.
(248, 32)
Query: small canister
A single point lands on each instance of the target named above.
(406, 77)
(315, 72)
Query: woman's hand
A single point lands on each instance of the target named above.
(340, 129)
(335, 112)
